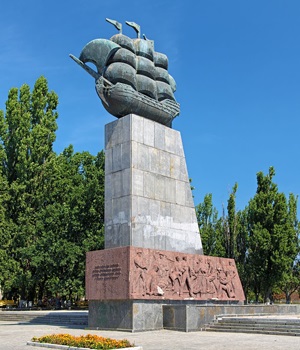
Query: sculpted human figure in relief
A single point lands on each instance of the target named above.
(140, 274)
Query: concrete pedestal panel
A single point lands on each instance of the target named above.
(125, 315)
(148, 199)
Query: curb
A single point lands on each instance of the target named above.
(66, 347)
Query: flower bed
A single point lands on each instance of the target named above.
(88, 341)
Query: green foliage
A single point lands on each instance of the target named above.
(290, 244)
(231, 241)
(263, 238)
(52, 206)
(273, 240)
(210, 228)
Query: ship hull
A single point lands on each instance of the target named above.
(121, 99)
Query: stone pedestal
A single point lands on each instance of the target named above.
(148, 199)
(140, 289)
(152, 254)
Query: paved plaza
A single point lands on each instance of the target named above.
(13, 336)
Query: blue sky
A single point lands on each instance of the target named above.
(235, 62)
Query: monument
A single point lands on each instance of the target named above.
(153, 254)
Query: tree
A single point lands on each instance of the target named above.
(77, 219)
(7, 263)
(242, 244)
(291, 277)
(263, 238)
(52, 206)
(27, 135)
(210, 228)
(230, 242)
(236, 237)
(272, 236)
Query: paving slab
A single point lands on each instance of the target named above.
(14, 336)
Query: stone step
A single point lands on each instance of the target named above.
(263, 324)
(253, 331)
(255, 320)
(45, 318)
(276, 326)
(256, 327)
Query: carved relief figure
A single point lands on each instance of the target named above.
(154, 281)
(197, 278)
(231, 273)
(175, 274)
(168, 275)
(225, 283)
(210, 277)
(139, 282)
(164, 271)
(185, 277)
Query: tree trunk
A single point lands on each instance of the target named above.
(287, 297)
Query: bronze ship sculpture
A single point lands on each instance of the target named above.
(131, 77)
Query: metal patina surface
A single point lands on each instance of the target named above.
(131, 77)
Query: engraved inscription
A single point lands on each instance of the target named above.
(106, 272)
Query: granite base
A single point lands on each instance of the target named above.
(125, 315)
(193, 317)
(186, 316)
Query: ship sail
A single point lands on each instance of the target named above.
(137, 64)
(98, 52)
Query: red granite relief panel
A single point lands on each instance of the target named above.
(139, 273)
